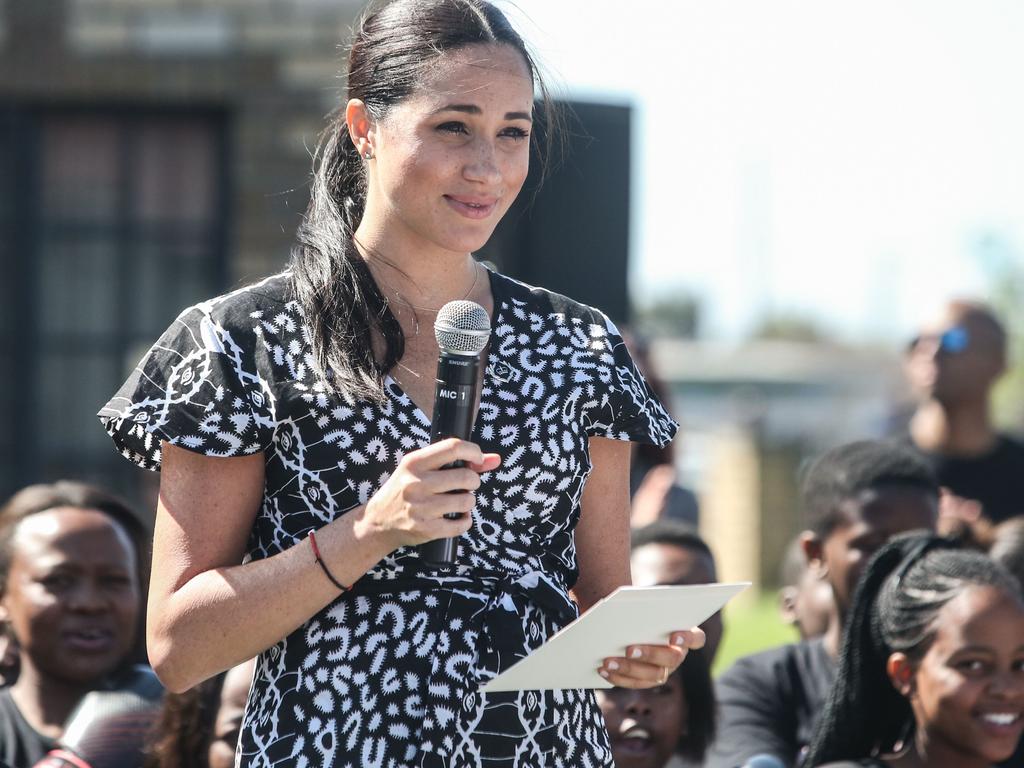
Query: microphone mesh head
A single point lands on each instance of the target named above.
(462, 328)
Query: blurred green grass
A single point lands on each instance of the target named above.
(751, 625)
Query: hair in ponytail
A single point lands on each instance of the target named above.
(903, 588)
(393, 47)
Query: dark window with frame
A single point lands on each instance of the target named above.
(8, 281)
(111, 222)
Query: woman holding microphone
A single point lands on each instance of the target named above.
(291, 421)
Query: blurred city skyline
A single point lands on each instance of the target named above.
(849, 163)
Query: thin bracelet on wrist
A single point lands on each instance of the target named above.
(323, 565)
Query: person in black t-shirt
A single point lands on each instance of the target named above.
(20, 743)
(855, 498)
(952, 365)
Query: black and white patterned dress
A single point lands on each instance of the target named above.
(389, 674)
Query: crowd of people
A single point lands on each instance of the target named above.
(281, 596)
(911, 649)
(904, 587)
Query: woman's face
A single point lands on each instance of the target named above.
(645, 725)
(450, 159)
(72, 595)
(967, 692)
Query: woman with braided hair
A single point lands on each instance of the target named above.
(932, 666)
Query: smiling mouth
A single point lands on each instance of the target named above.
(1001, 719)
(471, 209)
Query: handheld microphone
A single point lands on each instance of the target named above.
(462, 330)
(109, 728)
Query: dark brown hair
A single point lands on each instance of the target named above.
(394, 45)
(182, 735)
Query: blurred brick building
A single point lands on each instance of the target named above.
(155, 152)
(151, 153)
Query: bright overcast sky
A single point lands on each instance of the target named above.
(836, 159)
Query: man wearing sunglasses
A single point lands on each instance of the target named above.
(952, 365)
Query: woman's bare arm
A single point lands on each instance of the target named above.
(208, 612)
(602, 535)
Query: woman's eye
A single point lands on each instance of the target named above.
(971, 665)
(515, 133)
(56, 582)
(452, 127)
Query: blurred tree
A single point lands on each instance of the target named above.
(788, 326)
(1003, 264)
(674, 314)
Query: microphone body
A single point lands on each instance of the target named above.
(455, 397)
(462, 330)
(109, 728)
(454, 414)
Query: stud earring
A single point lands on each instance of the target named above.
(368, 154)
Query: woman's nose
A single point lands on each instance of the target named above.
(87, 596)
(638, 703)
(1007, 685)
(483, 165)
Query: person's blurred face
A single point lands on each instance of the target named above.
(646, 725)
(955, 358)
(451, 158)
(229, 716)
(72, 595)
(967, 692)
(874, 517)
(661, 564)
(808, 604)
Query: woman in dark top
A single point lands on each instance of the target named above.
(291, 422)
(932, 666)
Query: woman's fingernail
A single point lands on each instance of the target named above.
(636, 653)
(613, 665)
(602, 672)
(679, 640)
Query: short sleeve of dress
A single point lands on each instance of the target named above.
(196, 388)
(625, 408)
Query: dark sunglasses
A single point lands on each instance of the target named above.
(951, 341)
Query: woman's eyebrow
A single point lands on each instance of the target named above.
(473, 109)
(974, 648)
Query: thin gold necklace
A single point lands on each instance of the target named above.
(407, 368)
(415, 318)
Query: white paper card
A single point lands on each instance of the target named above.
(628, 616)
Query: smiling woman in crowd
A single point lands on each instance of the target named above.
(932, 666)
